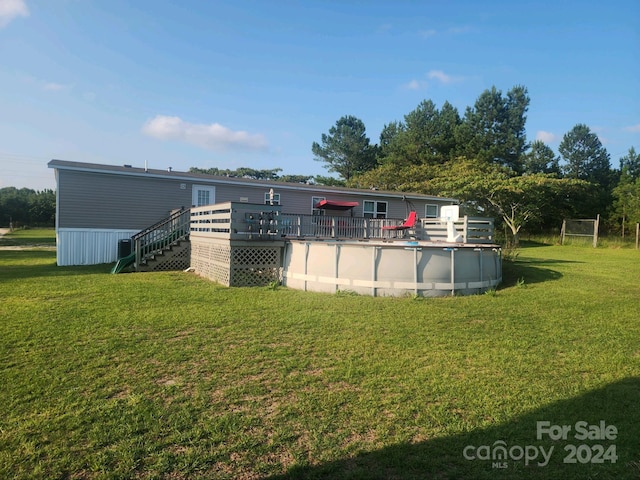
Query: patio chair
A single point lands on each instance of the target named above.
(409, 223)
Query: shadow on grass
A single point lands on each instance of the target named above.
(545, 261)
(22, 264)
(512, 272)
(27, 242)
(535, 243)
(444, 458)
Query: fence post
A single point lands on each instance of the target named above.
(595, 231)
(637, 234)
(137, 249)
(564, 225)
(465, 230)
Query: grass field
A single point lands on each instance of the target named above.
(29, 237)
(167, 375)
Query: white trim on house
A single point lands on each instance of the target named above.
(271, 198)
(57, 202)
(197, 200)
(375, 211)
(435, 214)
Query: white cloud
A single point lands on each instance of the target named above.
(213, 136)
(546, 137)
(437, 75)
(54, 87)
(10, 9)
(442, 77)
(633, 128)
(415, 85)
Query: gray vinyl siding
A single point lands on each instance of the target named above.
(98, 200)
(234, 193)
(300, 202)
(92, 196)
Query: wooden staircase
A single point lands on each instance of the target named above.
(176, 256)
(165, 245)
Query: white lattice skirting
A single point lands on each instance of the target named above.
(237, 263)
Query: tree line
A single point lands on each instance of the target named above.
(26, 207)
(268, 174)
(481, 157)
(484, 159)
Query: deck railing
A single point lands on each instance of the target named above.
(329, 226)
(243, 221)
(473, 230)
(236, 221)
(157, 237)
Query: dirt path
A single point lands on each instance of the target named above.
(4, 231)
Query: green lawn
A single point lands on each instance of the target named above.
(167, 375)
(29, 237)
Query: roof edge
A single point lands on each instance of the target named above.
(204, 178)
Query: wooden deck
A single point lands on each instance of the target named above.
(243, 221)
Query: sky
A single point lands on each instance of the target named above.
(245, 83)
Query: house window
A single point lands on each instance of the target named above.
(314, 202)
(375, 209)
(267, 198)
(431, 211)
(202, 195)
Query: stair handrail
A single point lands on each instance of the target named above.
(160, 235)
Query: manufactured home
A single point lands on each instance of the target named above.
(98, 206)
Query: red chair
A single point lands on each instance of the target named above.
(410, 222)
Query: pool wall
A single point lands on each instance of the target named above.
(395, 268)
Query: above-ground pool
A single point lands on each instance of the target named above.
(391, 268)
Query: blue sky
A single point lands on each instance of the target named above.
(253, 83)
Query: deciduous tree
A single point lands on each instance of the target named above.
(328, 181)
(626, 195)
(487, 189)
(242, 172)
(25, 206)
(626, 204)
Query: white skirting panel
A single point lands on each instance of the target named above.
(88, 246)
